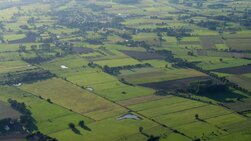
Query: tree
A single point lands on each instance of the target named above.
(34, 47)
(22, 48)
(153, 138)
(49, 100)
(71, 125)
(141, 129)
(81, 123)
(196, 116)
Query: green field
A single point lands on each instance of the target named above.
(125, 70)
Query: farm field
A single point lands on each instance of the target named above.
(77, 101)
(125, 70)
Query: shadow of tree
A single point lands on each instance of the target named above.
(86, 128)
(226, 96)
(76, 131)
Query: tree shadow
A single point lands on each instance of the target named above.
(86, 128)
(76, 131)
(225, 96)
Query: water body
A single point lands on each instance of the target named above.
(129, 116)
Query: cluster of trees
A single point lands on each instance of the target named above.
(127, 1)
(208, 86)
(21, 107)
(116, 70)
(93, 65)
(29, 37)
(38, 136)
(217, 6)
(132, 43)
(81, 124)
(150, 137)
(167, 54)
(25, 76)
(177, 32)
(86, 21)
(24, 124)
(212, 25)
(9, 125)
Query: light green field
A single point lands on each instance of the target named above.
(11, 66)
(179, 113)
(55, 118)
(120, 131)
(14, 37)
(71, 97)
(118, 62)
(157, 75)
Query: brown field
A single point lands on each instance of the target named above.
(189, 42)
(235, 70)
(209, 42)
(7, 112)
(81, 50)
(13, 137)
(202, 52)
(239, 44)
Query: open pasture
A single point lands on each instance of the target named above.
(117, 62)
(122, 130)
(179, 113)
(158, 76)
(11, 66)
(105, 85)
(72, 97)
(55, 118)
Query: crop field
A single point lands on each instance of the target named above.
(50, 120)
(117, 62)
(10, 66)
(179, 113)
(125, 70)
(78, 99)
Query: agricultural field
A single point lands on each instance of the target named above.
(125, 70)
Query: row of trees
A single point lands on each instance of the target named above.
(207, 87)
(116, 70)
(21, 107)
(25, 76)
